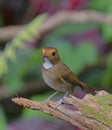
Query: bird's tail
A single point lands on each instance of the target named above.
(88, 89)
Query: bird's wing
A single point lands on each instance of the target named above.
(72, 79)
(66, 75)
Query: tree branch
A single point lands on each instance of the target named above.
(89, 113)
(7, 33)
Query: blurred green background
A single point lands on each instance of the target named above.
(84, 47)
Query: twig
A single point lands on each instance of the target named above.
(76, 17)
(7, 33)
(88, 113)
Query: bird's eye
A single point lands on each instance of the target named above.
(53, 54)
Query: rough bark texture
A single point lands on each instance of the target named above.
(89, 113)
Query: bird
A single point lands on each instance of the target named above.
(58, 76)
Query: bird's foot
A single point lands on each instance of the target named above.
(59, 103)
(61, 100)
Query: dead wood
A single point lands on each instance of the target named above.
(89, 113)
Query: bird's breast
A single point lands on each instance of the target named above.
(53, 79)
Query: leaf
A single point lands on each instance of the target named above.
(33, 60)
(27, 34)
(27, 62)
(99, 5)
(10, 52)
(107, 32)
(107, 77)
(3, 65)
(87, 53)
(107, 29)
(3, 124)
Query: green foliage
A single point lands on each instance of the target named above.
(20, 63)
(106, 7)
(107, 29)
(3, 64)
(26, 62)
(3, 123)
(99, 5)
(93, 76)
(16, 64)
(107, 79)
(107, 32)
(27, 35)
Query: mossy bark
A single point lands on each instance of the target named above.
(89, 113)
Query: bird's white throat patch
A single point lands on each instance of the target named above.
(47, 64)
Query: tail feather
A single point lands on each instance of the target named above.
(88, 89)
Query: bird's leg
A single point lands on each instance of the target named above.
(61, 100)
(51, 96)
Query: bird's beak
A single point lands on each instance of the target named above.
(44, 56)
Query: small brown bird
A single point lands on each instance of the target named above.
(58, 76)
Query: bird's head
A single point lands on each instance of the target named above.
(50, 56)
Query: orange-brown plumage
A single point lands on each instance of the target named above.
(49, 52)
(57, 75)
